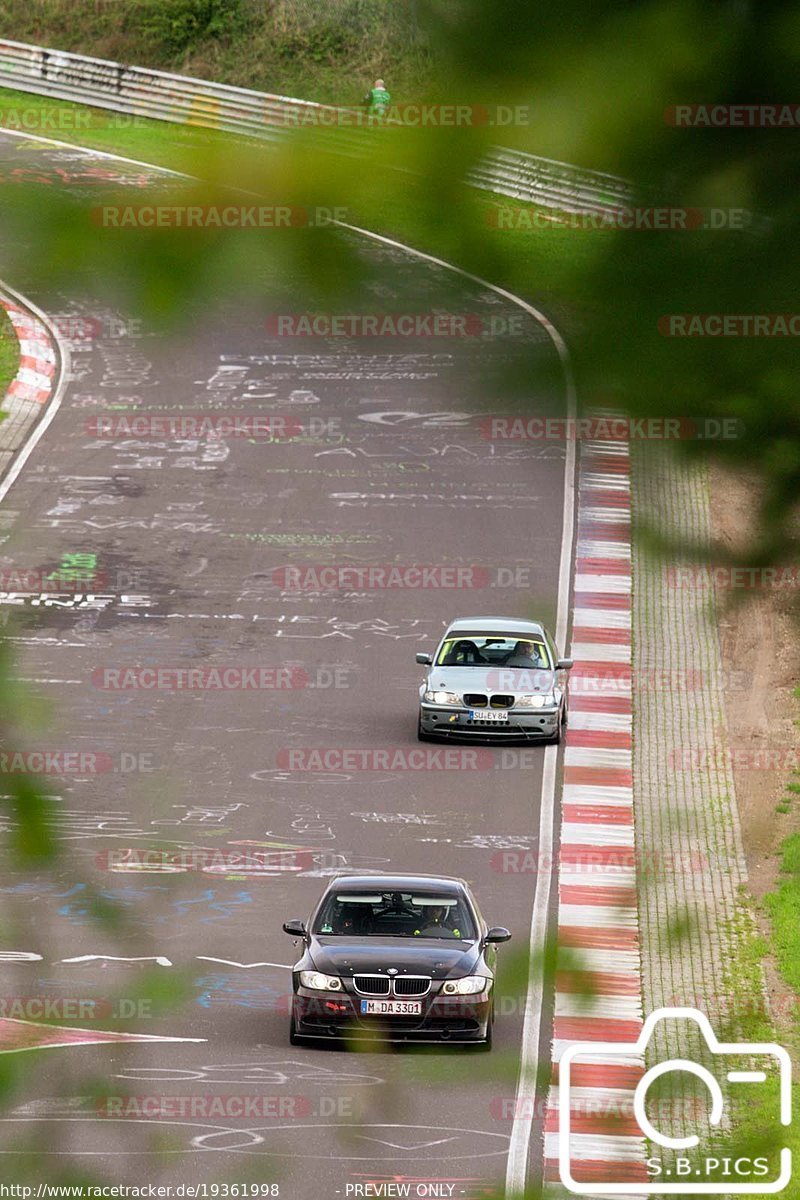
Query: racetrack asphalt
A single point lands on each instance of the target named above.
(192, 538)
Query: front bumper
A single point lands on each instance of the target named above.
(438, 720)
(337, 1015)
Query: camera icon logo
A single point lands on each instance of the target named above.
(741, 1177)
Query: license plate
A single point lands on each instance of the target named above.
(391, 1008)
(488, 714)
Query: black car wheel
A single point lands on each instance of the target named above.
(294, 1036)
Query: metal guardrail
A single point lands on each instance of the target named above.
(181, 99)
(550, 184)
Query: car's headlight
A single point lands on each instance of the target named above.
(319, 982)
(469, 985)
(438, 697)
(542, 700)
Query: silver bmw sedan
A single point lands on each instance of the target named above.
(494, 678)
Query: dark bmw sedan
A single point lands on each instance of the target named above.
(399, 958)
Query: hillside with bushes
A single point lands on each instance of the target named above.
(330, 51)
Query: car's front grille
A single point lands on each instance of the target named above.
(371, 985)
(379, 985)
(500, 701)
(475, 700)
(411, 985)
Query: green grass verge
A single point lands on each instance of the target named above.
(160, 142)
(755, 1130)
(9, 352)
(783, 906)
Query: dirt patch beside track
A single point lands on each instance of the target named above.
(760, 643)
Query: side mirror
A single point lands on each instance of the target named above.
(294, 928)
(425, 660)
(497, 934)
(565, 664)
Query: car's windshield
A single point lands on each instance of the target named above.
(495, 650)
(395, 914)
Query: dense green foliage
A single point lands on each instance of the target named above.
(178, 27)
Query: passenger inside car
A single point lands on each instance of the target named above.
(463, 653)
(355, 919)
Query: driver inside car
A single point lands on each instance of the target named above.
(435, 924)
(524, 654)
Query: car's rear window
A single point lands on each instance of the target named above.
(395, 914)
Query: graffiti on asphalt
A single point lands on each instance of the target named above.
(275, 1072)
(207, 907)
(219, 989)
